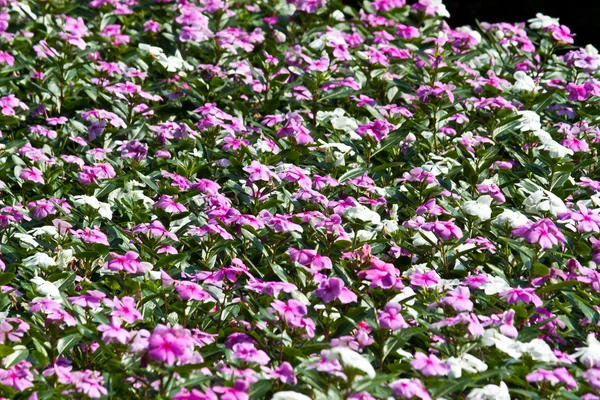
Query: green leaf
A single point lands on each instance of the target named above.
(6, 277)
(20, 353)
(539, 270)
(353, 173)
(67, 342)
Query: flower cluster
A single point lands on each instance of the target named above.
(295, 199)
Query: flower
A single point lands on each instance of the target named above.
(430, 365)
(523, 83)
(289, 395)
(590, 355)
(490, 392)
(391, 317)
(543, 232)
(480, 208)
(333, 288)
(351, 359)
(409, 388)
(466, 362)
(170, 345)
(32, 174)
(459, 299)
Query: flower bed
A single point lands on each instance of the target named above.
(295, 200)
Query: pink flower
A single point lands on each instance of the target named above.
(113, 332)
(577, 92)
(19, 376)
(128, 263)
(391, 317)
(168, 204)
(409, 388)
(89, 383)
(246, 351)
(526, 295)
(285, 373)
(239, 391)
(588, 221)
(428, 280)
(91, 235)
(333, 288)
(169, 345)
(191, 291)
(6, 58)
(258, 172)
(446, 230)
(32, 174)
(289, 311)
(124, 308)
(459, 299)
(430, 365)
(543, 232)
(560, 33)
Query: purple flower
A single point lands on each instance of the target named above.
(526, 295)
(430, 365)
(459, 299)
(247, 352)
(32, 174)
(170, 345)
(333, 288)
(391, 317)
(543, 232)
(446, 230)
(409, 388)
(258, 172)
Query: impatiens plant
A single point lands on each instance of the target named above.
(295, 199)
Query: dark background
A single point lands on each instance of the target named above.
(581, 16)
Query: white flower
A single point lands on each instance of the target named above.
(542, 21)
(346, 124)
(530, 121)
(424, 238)
(352, 359)
(590, 355)
(523, 82)
(155, 51)
(289, 395)
(89, 200)
(65, 257)
(512, 218)
(174, 63)
(362, 213)
(39, 260)
(539, 351)
(317, 44)
(46, 288)
(278, 36)
(387, 225)
(492, 337)
(103, 208)
(337, 15)
(440, 8)
(544, 200)
(26, 241)
(44, 230)
(556, 149)
(480, 208)
(465, 362)
(490, 392)
(495, 285)
(363, 235)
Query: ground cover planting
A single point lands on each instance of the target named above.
(293, 200)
